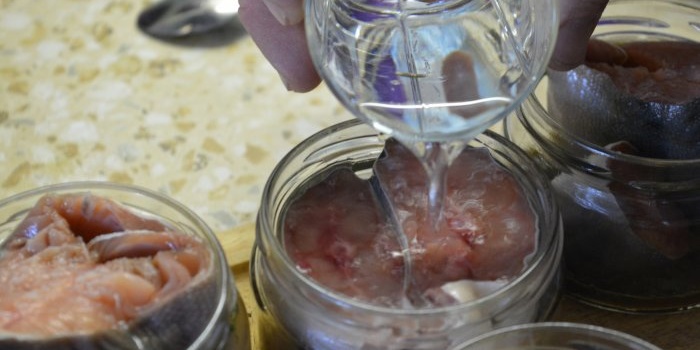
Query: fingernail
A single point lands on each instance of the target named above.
(286, 15)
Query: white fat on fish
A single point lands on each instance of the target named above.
(464, 291)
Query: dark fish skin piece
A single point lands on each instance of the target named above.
(588, 103)
(176, 324)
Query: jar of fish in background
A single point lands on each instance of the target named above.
(619, 137)
(556, 335)
(312, 278)
(102, 266)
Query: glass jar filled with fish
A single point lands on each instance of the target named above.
(619, 139)
(97, 265)
(348, 258)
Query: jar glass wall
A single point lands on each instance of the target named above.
(298, 312)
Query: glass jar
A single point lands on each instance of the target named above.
(556, 335)
(631, 223)
(296, 312)
(224, 321)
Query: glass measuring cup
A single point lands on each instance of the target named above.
(431, 71)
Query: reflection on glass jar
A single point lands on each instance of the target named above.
(113, 266)
(556, 335)
(298, 311)
(620, 142)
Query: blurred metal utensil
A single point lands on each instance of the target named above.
(171, 19)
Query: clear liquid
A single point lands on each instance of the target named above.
(420, 71)
(432, 74)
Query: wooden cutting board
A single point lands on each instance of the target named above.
(238, 244)
(668, 331)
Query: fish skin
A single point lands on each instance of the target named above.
(599, 104)
(587, 103)
(172, 322)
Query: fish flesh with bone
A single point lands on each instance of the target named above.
(84, 272)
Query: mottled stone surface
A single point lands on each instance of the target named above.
(85, 96)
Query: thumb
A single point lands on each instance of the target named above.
(578, 20)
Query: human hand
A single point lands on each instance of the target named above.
(277, 27)
(577, 20)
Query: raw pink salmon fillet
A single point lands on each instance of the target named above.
(82, 269)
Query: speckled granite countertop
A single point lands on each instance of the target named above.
(84, 95)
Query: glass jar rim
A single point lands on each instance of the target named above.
(552, 245)
(574, 327)
(425, 7)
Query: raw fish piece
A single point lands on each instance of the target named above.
(651, 99)
(488, 228)
(336, 233)
(339, 235)
(663, 72)
(83, 272)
